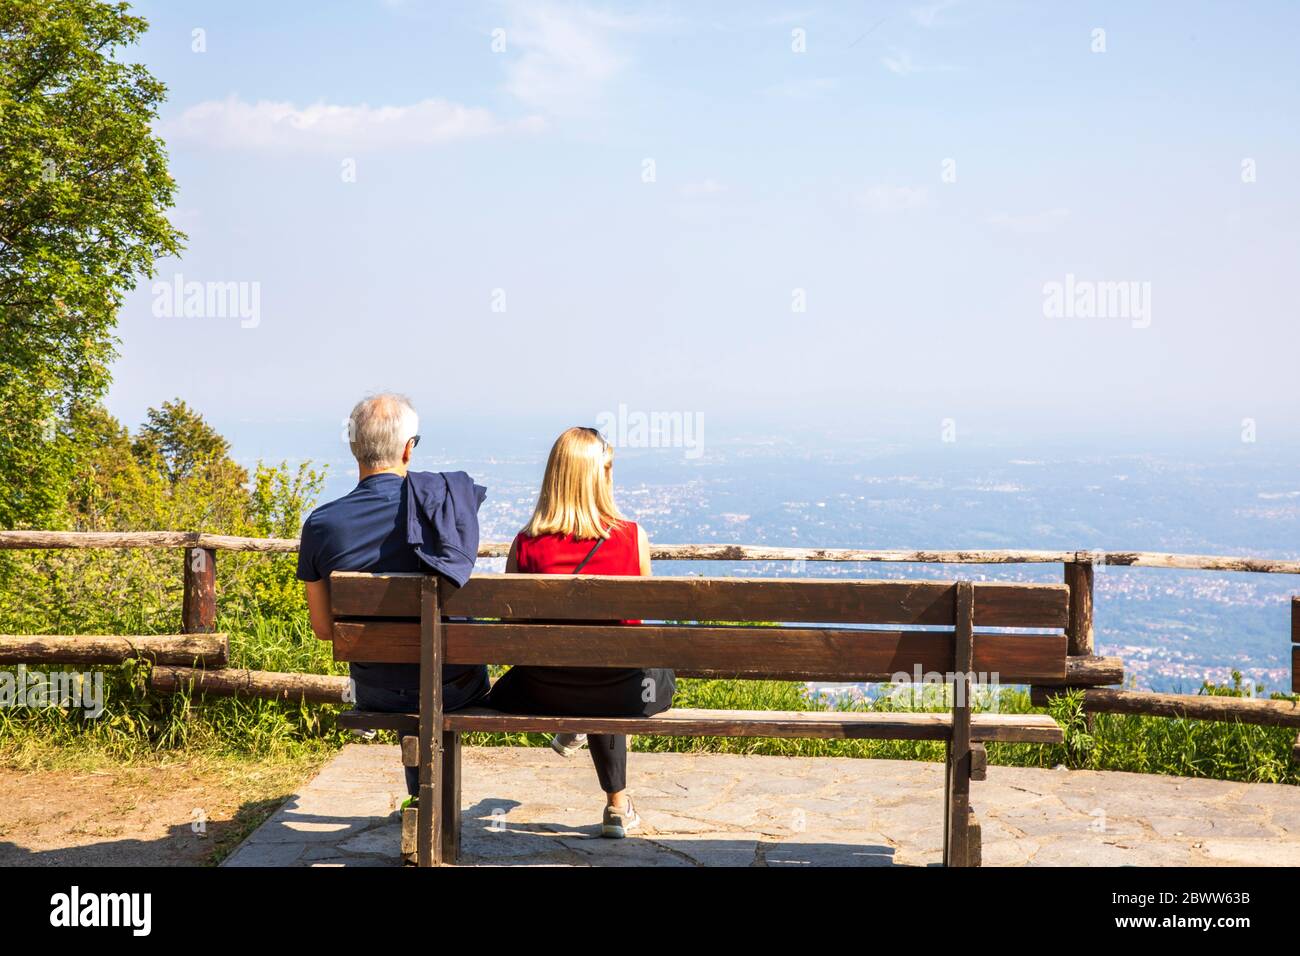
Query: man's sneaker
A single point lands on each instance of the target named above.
(566, 745)
(617, 823)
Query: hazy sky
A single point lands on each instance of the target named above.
(846, 214)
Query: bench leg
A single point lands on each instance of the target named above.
(447, 794)
(956, 812)
(978, 771)
(962, 844)
(450, 796)
(947, 801)
(958, 821)
(428, 820)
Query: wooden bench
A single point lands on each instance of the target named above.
(936, 626)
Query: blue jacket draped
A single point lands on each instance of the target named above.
(442, 521)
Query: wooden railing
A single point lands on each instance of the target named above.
(1087, 670)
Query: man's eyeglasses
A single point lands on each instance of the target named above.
(415, 440)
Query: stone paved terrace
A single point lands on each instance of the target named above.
(528, 806)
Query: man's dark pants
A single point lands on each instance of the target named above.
(464, 691)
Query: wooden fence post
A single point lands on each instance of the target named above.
(1078, 575)
(199, 608)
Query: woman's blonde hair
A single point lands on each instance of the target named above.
(577, 496)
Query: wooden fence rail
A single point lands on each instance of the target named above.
(10, 540)
(1086, 670)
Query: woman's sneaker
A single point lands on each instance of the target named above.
(617, 823)
(566, 745)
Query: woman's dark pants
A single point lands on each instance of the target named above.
(588, 692)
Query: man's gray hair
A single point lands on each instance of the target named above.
(379, 428)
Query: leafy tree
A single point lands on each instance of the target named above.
(121, 486)
(108, 474)
(84, 189)
(178, 441)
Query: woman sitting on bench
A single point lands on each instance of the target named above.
(577, 528)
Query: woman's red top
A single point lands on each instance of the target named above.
(561, 553)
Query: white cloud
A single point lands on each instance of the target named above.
(894, 198)
(234, 123)
(566, 55)
(1036, 222)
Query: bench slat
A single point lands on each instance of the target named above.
(402, 724)
(597, 597)
(1002, 728)
(782, 653)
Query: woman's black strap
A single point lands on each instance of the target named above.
(590, 554)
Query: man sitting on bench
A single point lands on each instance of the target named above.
(394, 521)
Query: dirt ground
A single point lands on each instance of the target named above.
(189, 813)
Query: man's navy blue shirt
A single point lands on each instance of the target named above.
(365, 530)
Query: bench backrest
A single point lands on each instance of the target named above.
(566, 620)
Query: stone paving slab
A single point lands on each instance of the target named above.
(527, 806)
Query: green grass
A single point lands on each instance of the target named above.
(139, 726)
(1189, 748)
